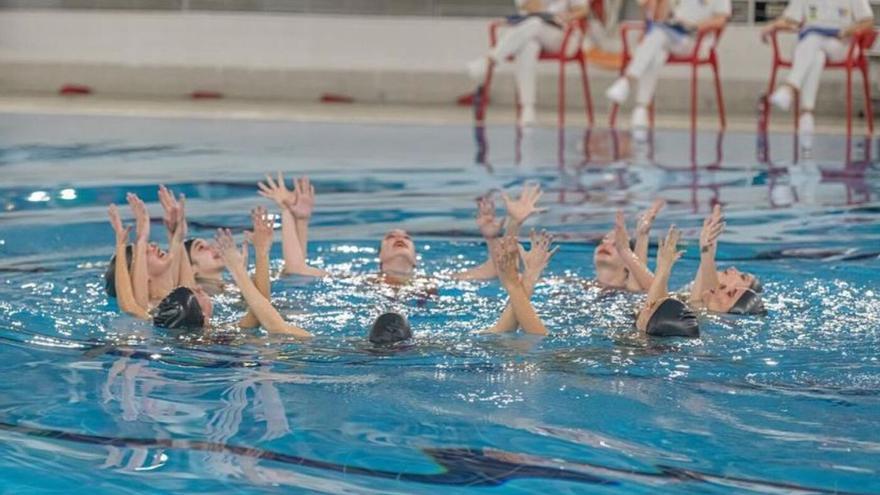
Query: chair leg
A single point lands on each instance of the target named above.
(612, 115)
(484, 93)
(849, 101)
(718, 95)
(693, 96)
(770, 88)
(588, 99)
(869, 110)
(561, 111)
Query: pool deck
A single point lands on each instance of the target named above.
(359, 113)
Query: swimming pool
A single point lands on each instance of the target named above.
(95, 402)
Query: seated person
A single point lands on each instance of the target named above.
(611, 270)
(638, 270)
(707, 290)
(825, 28)
(663, 315)
(673, 31)
(519, 312)
(540, 26)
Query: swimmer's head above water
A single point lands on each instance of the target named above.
(184, 309)
(733, 300)
(610, 269)
(205, 260)
(672, 318)
(397, 253)
(731, 277)
(390, 328)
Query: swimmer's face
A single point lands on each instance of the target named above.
(731, 277)
(723, 298)
(608, 263)
(158, 260)
(205, 259)
(397, 245)
(205, 303)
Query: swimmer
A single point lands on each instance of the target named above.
(206, 263)
(611, 270)
(636, 265)
(519, 312)
(708, 291)
(518, 211)
(154, 269)
(663, 315)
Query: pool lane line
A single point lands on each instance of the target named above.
(461, 466)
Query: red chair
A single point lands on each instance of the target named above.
(577, 28)
(856, 58)
(694, 59)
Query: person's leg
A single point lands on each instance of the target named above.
(525, 73)
(807, 59)
(511, 41)
(652, 47)
(828, 49)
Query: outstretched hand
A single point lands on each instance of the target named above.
(523, 207)
(171, 207)
(119, 229)
(667, 251)
(539, 253)
(141, 217)
(646, 219)
(302, 201)
(713, 226)
(262, 235)
(621, 236)
(506, 261)
(275, 190)
(225, 245)
(490, 226)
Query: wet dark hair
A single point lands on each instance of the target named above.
(390, 328)
(756, 286)
(187, 246)
(749, 303)
(179, 310)
(673, 318)
(110, 273)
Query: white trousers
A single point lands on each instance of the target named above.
(808, 61)
(650, 57)
(524, 42)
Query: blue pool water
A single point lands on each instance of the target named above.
(94, 402)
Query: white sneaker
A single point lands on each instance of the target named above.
(806, 130)
(477, 68)
(527, 116)
(781, 98)
(639, 118)
(619, 91)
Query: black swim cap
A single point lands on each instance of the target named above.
(757, 286)
(748, 304)
(390, 328)
(187, 245)
(110, 273)
(180, 309)
(673, 319)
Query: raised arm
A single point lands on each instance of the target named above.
(175, 220)
(267, 315)
(535, 261)
(707, 273)
(261, 238)
(520, 209)
(124, 293)
(301, 206)
(490, 228)
(506, 260)
(139, 275)
(667, 255)
(639, 276)
(643, 229)
(291, 246)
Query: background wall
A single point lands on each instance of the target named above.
(372, 58)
